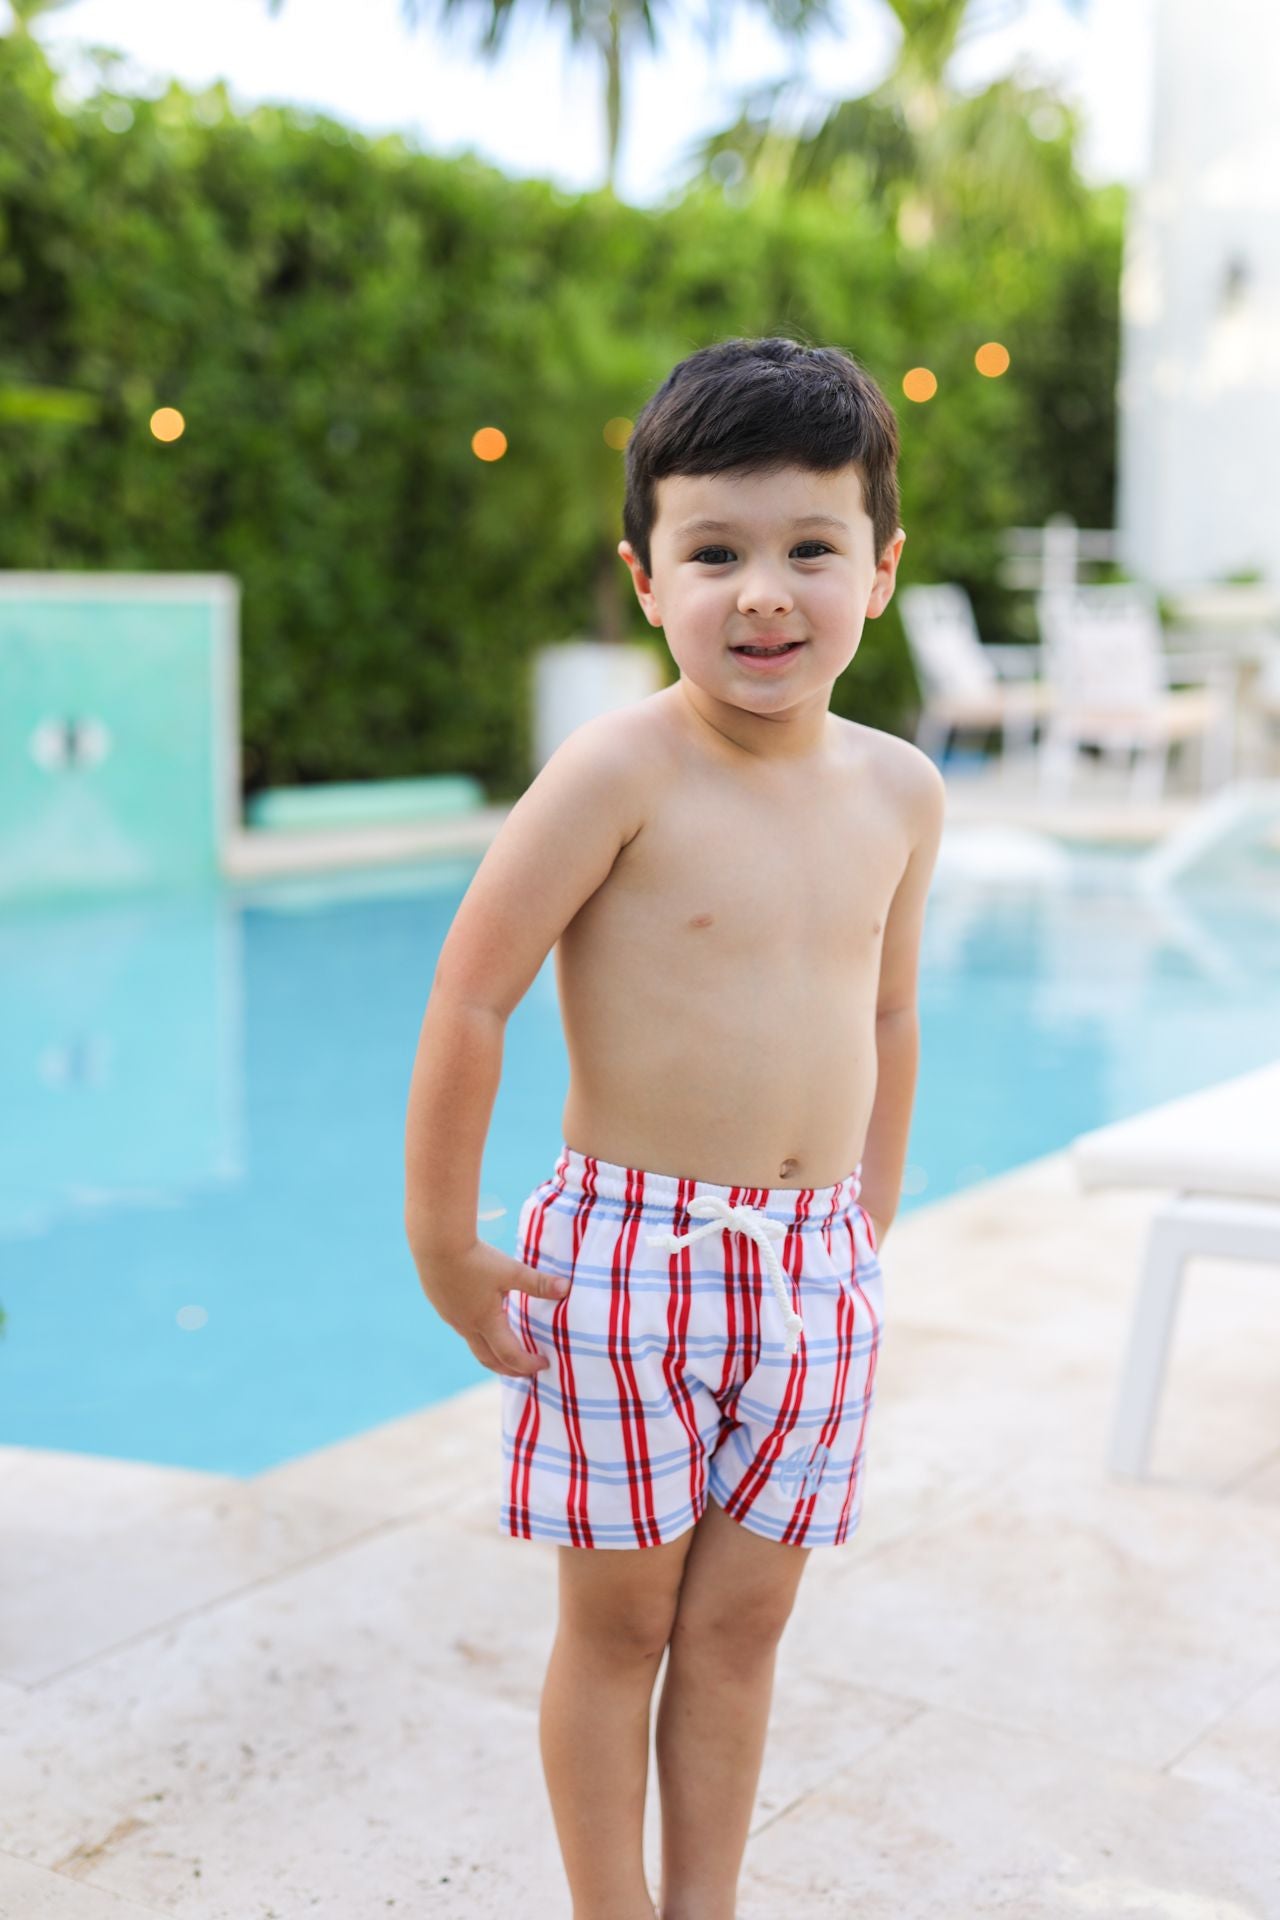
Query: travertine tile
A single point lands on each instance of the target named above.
(352, 1659)
(1218, 1421)
(1122, 1619)
(44, 1492)
(77, 1598)
(33, 1893)
(1240, 1753)
(323, 1742)
(816, 1727)
(434, 1458)
(996, 1264)
(1260, 1482)
(955, 1817)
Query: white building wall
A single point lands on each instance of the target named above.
(1199, 451)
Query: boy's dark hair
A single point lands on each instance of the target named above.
(749, 405)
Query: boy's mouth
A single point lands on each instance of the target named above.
(768, 659)
(769, 653)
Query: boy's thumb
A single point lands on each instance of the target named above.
(547, 1286)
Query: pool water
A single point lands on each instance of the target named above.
(202, 1259)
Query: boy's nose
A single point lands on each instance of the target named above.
(764, 596)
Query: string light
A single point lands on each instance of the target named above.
(919, 384)
(168, 424)
(617, 431)
(992, 359)
(488, 443)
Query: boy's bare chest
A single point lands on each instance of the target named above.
(723, 878)
(718, 990)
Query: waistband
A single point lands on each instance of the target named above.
(658, 1196)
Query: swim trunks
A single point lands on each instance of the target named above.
(714, 1340)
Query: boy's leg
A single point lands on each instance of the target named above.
(616, 1611)
(735, 1600)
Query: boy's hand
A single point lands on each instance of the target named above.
(466, 1290)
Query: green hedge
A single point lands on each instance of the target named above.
(335, 316)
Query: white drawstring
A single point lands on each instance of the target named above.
(718, 1217)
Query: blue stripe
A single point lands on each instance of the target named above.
(609, 1533)
(671, 1525)
(558, 1463)
(645, 1279)
(662, 1407)
(773, 1352)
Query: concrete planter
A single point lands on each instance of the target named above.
(576, 679)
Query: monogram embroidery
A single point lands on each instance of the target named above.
(800, 1473)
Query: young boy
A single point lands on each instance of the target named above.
(734, 879)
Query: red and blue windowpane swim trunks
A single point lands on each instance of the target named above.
(715, 1340)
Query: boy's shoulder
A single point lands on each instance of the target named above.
(894, 758)
(641, 740)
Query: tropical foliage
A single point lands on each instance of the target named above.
(335, 317)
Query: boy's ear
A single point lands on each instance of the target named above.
(886, 575)
(641, 582)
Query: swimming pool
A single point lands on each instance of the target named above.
(202, 1260)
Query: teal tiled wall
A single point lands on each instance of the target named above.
(119, 731)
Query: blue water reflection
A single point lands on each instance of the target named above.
(202, 1260)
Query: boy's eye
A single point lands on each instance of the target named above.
(716, 556)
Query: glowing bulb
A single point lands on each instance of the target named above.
(919, 384)
(992, 359)
(488, 443)
(168, 424)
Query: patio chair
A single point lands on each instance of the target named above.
(1105, 659)
(1220, 1152)
(964, 682)
(1267, 689)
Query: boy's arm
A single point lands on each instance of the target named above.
(897, 1021)
(553, 850)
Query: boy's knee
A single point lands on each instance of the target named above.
(735, 1626)
(620, 1621)
(628, 1635)
(621, 1604)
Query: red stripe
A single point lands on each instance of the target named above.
(841, 1532)
(846, 1321)
(639, 1471)
(802, 1209)
(579, 1524)
(762, 1466)
(730, 1340)
(831, 1214)
(679, 1306)
(737, 1280)
(530, 1418)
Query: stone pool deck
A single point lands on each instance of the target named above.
(1023, 1689)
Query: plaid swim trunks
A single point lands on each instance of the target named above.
(714, 1339)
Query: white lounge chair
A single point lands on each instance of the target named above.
(966, 683)
(1105, 657)
(1267, 689)
(1219, 1150)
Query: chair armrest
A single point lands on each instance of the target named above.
(1197, 669)
(1011, 661)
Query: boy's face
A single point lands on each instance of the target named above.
(790, 558)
